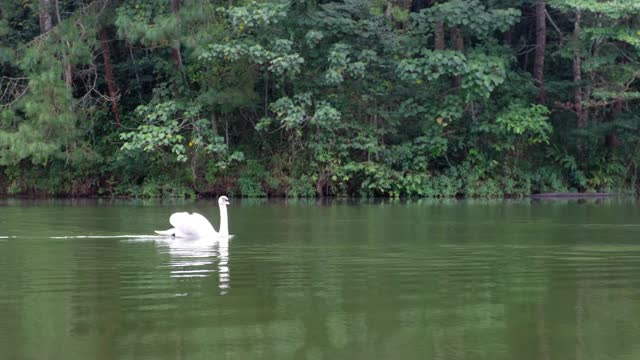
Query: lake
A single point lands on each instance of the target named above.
(526, 279)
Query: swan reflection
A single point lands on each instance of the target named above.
(189, 258)
(194, 259)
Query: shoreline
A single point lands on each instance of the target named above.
(538, 196)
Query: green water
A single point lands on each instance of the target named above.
(339, 280)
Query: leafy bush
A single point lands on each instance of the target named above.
(302, 188)
(250, 180)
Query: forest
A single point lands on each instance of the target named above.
(314, 98)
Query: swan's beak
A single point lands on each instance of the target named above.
(227, 202)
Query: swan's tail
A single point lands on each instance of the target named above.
(170, 232)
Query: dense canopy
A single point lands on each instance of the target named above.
(306, 98)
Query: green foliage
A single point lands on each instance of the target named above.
(250, 180)
(613, 9)
(548, 179)
(299, 98)
(446, 185)
(470, 15)
(176, 130)
(530, 121)
(301, 188)
(147, 22)
(154, 187)
(40, 127)
(518, 127)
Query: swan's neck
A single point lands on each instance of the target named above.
(224, 222)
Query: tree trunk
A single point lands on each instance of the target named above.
(438, 32)
(541, 40)
(581, 112)
(68, 69)
(388, 9)
(320, 185)
(106, 56)
(577, 79)
(175, 50)
(439, 36)
(214, 123)
(457, 40)
(226, 130)
(135, 70)
(611, 139)
(266, 94)
(46, 21)
(618, 106)
(507, 37)
(417, 5)
(68, 73)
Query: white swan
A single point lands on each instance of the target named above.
(196, 226)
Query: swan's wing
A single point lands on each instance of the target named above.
(194, 225)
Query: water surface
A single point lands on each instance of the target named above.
(307, 280)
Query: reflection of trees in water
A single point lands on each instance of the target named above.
(59, 295)
(144, 299)
(537, 300)
(444, 281)
(336, 287)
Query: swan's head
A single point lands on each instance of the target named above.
(223, 200)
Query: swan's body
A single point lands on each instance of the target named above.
(196, 226)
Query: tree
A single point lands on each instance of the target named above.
(541, 41)
(46, 20)
(106, 56)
